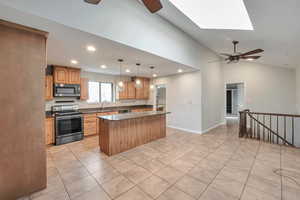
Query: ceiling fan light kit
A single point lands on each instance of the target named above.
(236, 56)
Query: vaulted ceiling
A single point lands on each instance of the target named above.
(276, 30)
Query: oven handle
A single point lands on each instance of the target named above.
(68, 117)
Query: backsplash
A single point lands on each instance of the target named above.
(84, 104)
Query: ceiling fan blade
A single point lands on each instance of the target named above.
(252, 52)
(225, 54)
(153, 5)
(250, 57)
(92, 1)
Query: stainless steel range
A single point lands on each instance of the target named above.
(68, 124)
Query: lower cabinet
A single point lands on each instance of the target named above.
(90, 124)
(49, 129)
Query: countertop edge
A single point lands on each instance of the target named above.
(120, 117)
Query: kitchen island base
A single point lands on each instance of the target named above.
(119, 135)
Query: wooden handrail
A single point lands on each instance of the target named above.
(260, 127)
(275, 114)
(269, 129)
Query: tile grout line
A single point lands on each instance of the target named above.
(218, 172)
(252, 165)
(188, 175)
(90, 174)
(61, 178)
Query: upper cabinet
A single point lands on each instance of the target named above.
(74, 76)
(60, 75)
(48, 87)
(131, 92)
(66, 75)
(84, 91)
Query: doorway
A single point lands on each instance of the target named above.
(234, 99)
(160, 97)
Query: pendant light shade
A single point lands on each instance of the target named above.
(138, 82)
(120, 85)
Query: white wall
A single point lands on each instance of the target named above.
(124, 21)
(298, 89)
(267, 88)
(196, 99)
(183, 100)
(212, 95)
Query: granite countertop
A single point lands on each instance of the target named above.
(106, 109)
(119, 117)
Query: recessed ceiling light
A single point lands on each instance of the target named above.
(216, 14)
(74, 62)
(179, 70)
(91, 48)
(127, 70)
(154, 75)
(103, 66)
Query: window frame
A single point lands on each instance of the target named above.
(100, 96)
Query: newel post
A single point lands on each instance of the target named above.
(243, 123)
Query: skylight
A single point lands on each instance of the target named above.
(216, 14)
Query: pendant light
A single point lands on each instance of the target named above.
(138, 82)
(154, 75)
(120, 82)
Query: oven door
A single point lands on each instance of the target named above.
(68, 125)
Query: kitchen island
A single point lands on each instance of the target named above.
(121, 132)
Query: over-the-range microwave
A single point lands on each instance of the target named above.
(66, 90)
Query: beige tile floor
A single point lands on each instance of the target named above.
(183, 166)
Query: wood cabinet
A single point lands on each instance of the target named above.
(146, 88)
(90, 124)
(60, 75)
(98, 120)
(74, 76)
(66, 75)
(131, 92)
(84, 91)
(49, 129)
(123, 93)
(48, 87)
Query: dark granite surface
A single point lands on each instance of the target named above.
(106, 109)
(119, 117)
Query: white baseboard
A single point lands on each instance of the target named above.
(184, 129)
(215, 126)
(196, 131)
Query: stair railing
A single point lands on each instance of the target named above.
(269, 127)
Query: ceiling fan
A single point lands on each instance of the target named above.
(152, 5)
(236, 56)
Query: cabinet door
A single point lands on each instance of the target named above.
(48, 88)
(139, 92)
(90, 124)
(84, 90)
(49, 129)
(146, 87)
(60, 75)
(73, 76)
(124, 94)
(130, 90)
